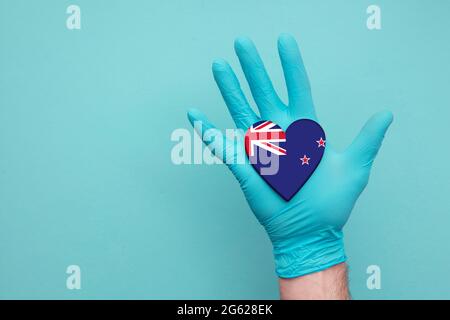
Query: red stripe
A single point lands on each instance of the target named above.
(247, 144)
(281, 150)
(266, 135)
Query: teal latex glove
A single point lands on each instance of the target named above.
(306, 232)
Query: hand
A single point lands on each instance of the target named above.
(306, 232)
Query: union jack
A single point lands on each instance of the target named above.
(263, 134)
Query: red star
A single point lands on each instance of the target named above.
(321, 143)
(305, 160)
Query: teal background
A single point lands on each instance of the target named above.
(85, 122)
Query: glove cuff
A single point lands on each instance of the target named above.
(316, 254)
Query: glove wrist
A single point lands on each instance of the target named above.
(299, 257)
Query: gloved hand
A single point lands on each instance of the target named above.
(306, 232)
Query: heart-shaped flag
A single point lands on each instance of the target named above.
(285, 160)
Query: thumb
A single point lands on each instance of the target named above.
(228, 153)
(366, 145)
(206, 130)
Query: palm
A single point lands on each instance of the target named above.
(328, 196)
